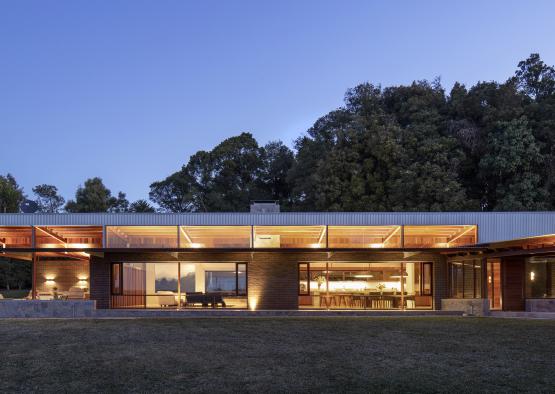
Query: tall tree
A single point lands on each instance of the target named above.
(141, 206)
(384, 151)
(48, 199)
(535, 78)
(11, 195)
(224, 179)
(510, 169)
(119, 204)
(95, 197)
(277, 161)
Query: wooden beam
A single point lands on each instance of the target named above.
(184, 232)
(322, 235)
(52, 234)
(77, 255)
(391, 234)
(460, 234)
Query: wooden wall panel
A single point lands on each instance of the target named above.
(513, 283)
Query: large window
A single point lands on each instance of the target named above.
(540, 277)
(179, 285)
(388, 285)
(465, 279)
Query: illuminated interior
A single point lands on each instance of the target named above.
(16, 237)
(289, 237)
(179, 285)
(387, 285)
(439, 236)
(215, 237)
(540, 277)
(79, 237)
(364, 236)
(141, 236)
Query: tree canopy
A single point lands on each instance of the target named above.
(227, 178)
(48, 200)
(489, 147)
(11, 195)
(401, 148)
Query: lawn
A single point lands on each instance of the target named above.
(433, 354)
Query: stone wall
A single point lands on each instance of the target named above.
(540, 305)
(38, 308)
(472, 306)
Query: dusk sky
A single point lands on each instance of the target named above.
(128, 90)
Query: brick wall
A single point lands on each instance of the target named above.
(100, 281)
(273, 281)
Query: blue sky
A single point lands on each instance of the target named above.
(128, 90)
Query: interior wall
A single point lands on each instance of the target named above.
(62, 274)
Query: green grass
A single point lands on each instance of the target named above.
(14, 293)
(278, 355)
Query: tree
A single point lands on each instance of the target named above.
(224, 179)
(277, 161)
(48, 199)
(119, 204)
(385, 150)
(141, 206)
(11, 195)
(95, 197)
(510, 169)
(535, 78)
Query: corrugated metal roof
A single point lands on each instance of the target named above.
(492, 226)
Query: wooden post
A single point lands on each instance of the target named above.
(328, 302)
(34, 277)
(178, 285)
(402, 286)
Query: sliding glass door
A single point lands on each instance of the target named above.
(179, 285)
(386, 285)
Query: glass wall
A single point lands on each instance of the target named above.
(286, 237)
(289, 237)
(494, 283)
(540, 277)
(215, 237)
(465, 279)
(364, 236)
(388, 285)
(439, 236)
(141, 236)
(179, 285)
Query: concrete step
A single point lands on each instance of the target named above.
(140, 313)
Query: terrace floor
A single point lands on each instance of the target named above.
(355, 354)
